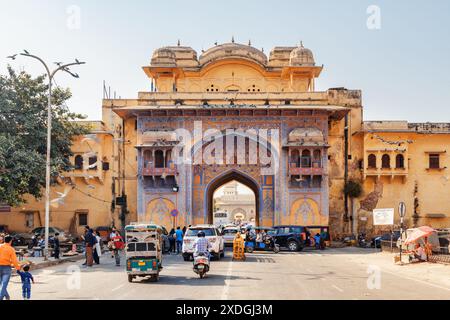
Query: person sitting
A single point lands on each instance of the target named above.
(201, 245)
(258, 236)
(419, 253)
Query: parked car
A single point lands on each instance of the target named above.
(376, 241)
(25, 238)
(211, 233)
(229, 233)
(291, 237)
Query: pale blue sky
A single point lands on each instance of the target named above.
(403, 69)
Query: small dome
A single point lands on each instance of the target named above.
(154, 136)
(163, 57)
(309, 134)
(301, 56)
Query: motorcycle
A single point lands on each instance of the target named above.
(201, 264)
(362, 242)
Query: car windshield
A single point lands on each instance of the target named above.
(193, 232)
(230, 231)
(37, 230)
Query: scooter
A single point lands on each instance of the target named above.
(201, 264)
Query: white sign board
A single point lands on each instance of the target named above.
(382, 217)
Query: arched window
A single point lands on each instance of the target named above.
(295, 158)
(92, 161)
(399, 161)
(385, 161)
(316, 158)
(306, 158)
(159, 159)
(78, 162)
(169, 159)
(372, 161)
(148, 159)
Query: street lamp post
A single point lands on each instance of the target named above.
(51, 74)
(402, 212)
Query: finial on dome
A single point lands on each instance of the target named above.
(215, 43)
(178, 43)
(262, 50)
(232, 39)
(301, 44)
(249, 42)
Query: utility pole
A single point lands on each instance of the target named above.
(50, 74)
(402, 212)
(346, 218)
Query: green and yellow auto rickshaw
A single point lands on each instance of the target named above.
(143, 251)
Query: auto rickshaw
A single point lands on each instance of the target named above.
(268, 243)
(143, 251)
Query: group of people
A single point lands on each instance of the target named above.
(8, 259)
(93, 246)
(176, 239)
(39, 242)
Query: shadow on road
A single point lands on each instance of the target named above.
(194, 280)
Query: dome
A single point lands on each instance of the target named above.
(155, 136)
(308, 135)
(301, 56)
(164, 57)
(233, 50)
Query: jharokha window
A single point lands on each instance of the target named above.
(385, 161)
(434, 161)
(78, 162)
(372, 161)
(399, 161)
(159, 159)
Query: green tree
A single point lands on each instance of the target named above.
(23, 134)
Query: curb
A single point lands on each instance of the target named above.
(47, 264)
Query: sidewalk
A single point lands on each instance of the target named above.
(436, 274)
(40, 263)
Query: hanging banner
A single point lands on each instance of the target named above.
(383, 217)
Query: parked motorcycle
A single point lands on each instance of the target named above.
(362, 242)
(201, 264)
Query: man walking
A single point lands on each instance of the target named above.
(179, 241)
(56, 246)
(89, 241)
(8, 258)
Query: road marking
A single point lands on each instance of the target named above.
(226, 288)
(337, 288)
(117, 288)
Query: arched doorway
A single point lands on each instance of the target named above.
(224, 179)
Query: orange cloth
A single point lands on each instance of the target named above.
(8, 256)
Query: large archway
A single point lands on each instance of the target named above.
(223, 179)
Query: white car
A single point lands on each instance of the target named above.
(229, 233)
(211, 233)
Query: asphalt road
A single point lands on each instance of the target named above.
(347, 273)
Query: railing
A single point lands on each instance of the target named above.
(151, 171)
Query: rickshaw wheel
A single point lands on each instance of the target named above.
(276, 249)
(130, 278)
(154, 278)
(249, 249)
(201, 275)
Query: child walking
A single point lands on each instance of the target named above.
(26, 278)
